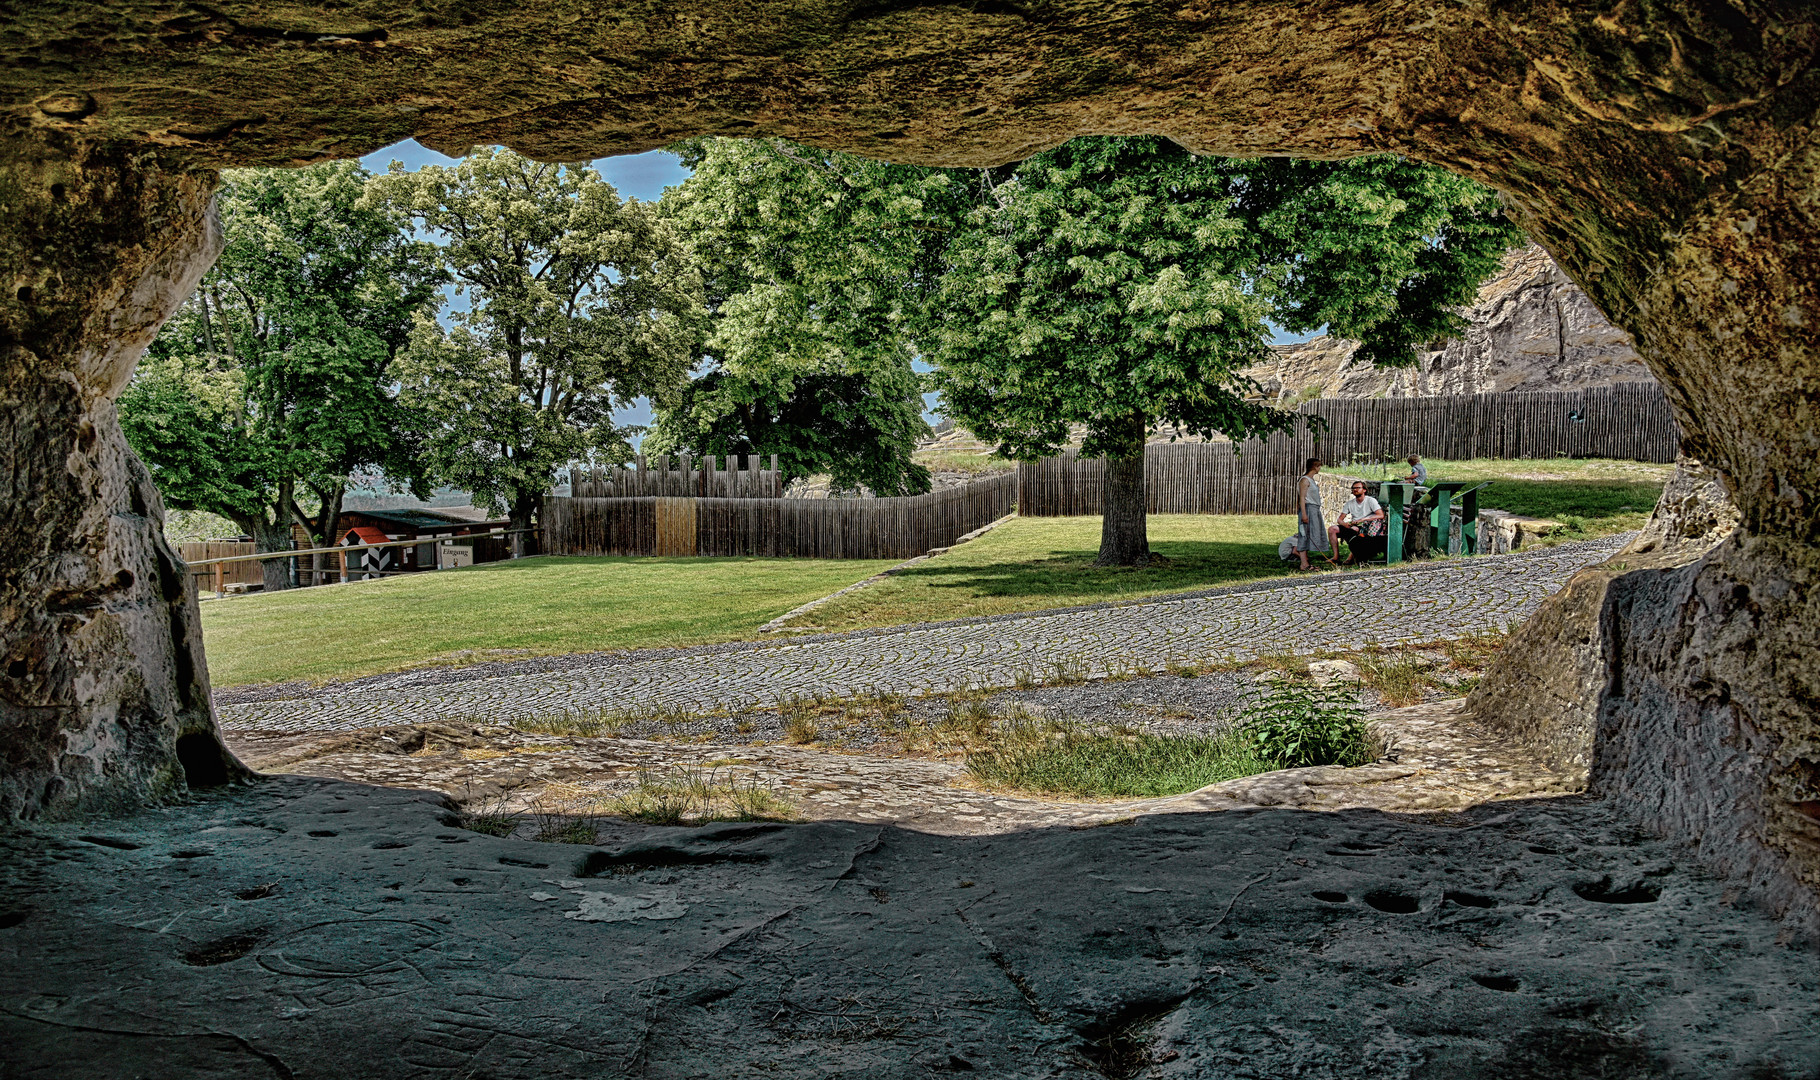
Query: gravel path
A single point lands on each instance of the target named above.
(1425, 602)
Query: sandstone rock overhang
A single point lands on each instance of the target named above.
(1664, 153)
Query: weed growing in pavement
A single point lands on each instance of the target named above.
(802, 721)
(588, 723)
(1179, 669)
(1060, 757)
(1297, 724)
(1069, 672)
(1283, 664)
(1024, 679)
(1397, 680)
(680, 796)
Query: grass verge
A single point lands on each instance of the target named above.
(1064, 759)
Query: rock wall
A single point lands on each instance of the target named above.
(104, 698)
(1679, 672)
(1532, 329)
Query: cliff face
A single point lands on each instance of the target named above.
(1532, 330)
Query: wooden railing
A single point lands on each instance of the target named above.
(243, 566)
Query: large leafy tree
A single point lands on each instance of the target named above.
(818, 267)
(273, 383)
(1119, 283)
(578, 304)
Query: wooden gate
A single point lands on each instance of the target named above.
(675, 526)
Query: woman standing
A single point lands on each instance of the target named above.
(1313, 533)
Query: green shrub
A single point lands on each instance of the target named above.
(1298, 724)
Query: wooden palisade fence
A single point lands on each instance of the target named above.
(803, 528)
(1628, 420)
(1179, 478)
(702, 478)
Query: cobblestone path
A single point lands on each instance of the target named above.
(1426, 602)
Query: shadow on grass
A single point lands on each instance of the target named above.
(1192, 565)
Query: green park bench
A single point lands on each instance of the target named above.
(1398, 498)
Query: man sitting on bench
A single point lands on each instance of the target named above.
(1361, 525)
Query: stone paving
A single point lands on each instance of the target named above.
(1330, 611)
(1433, 760)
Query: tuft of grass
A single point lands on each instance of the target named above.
(967, 724)
(588, 723)
(1297, 724)
(1061, 758)
(1181, 670)
(1397, 680)
(1070, 672)
(564, 829)
(1120, 670)
(802, 722)
(679, 796)
(491, 818)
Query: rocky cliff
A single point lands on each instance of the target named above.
(1531, 329)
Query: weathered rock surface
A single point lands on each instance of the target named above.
(1546, 689)
(313, 929)
(1532, 329)
(1433, 759)
(104, 696)
(1664, 153)
(1681, 672)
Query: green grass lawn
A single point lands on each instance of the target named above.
(499, 610)
(1031, 563)
(553, 606)
(1590, 497)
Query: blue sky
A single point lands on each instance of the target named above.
(639, 176)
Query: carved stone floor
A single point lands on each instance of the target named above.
(309, 928)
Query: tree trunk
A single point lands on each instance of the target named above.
(104, 698)
(521, 517)
(1124, 525)
(267, 537)
(325, 528)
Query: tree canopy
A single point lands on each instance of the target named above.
(818, 268)
(1117, 283)
(275, 376)
(578, 303)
